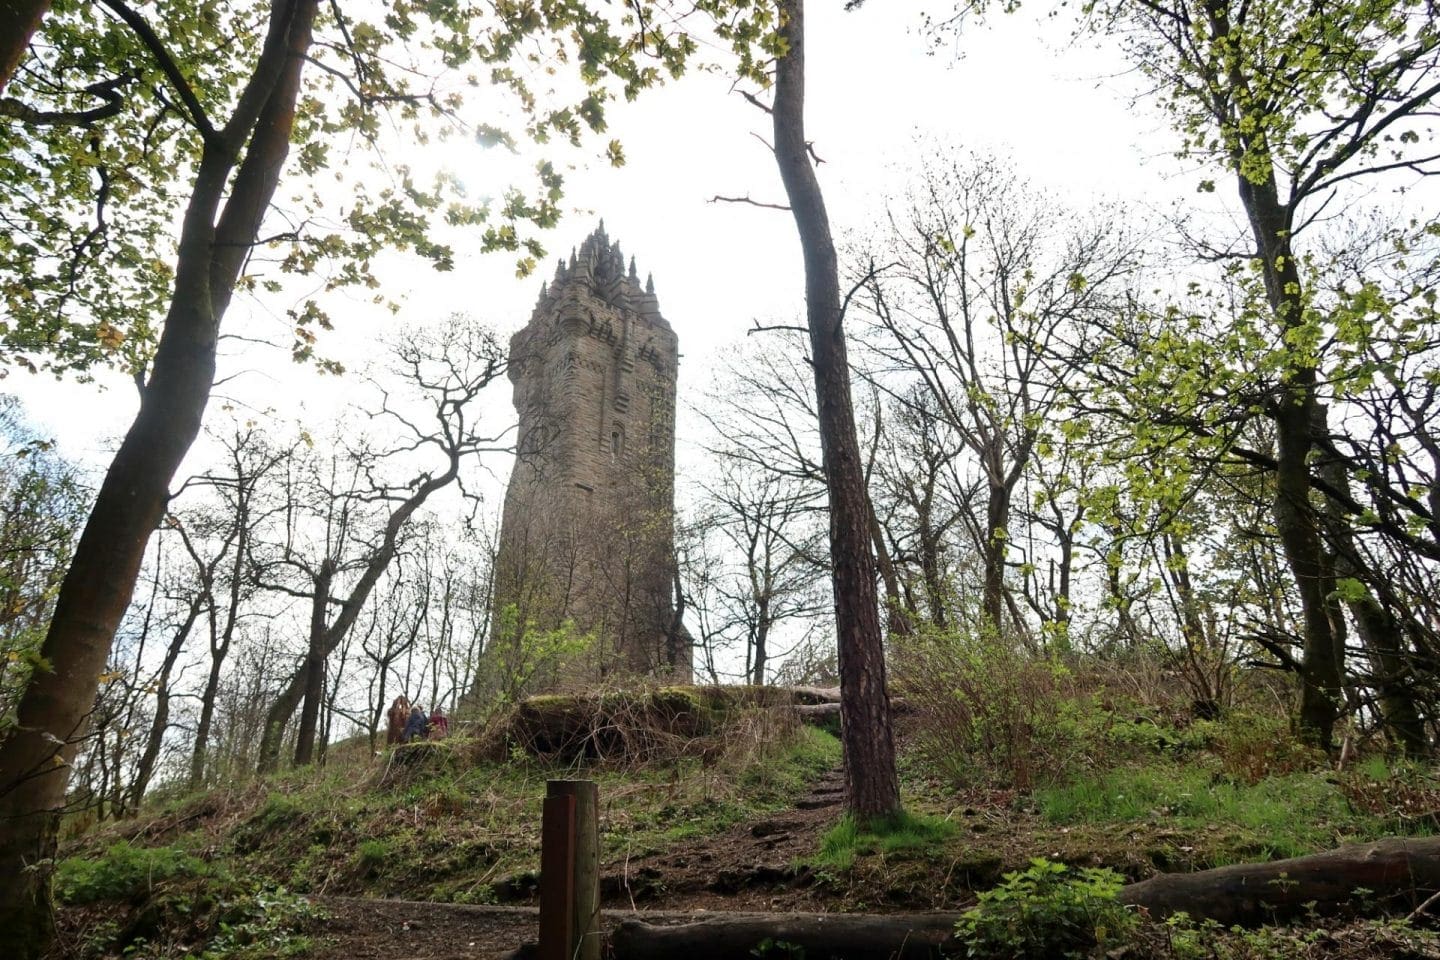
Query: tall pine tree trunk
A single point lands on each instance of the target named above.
(874, 791)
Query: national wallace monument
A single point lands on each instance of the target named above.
(587, 531)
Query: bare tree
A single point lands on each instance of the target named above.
(767, 524)
(249, 462)
(363, 516)
(975, 279)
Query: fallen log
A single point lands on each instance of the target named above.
(804, 694)
(1393, 871)
(851, 936)
(811, 711)
(1362, 877)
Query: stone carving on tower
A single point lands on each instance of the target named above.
(587, 532)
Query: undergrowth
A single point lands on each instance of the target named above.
(456, 827)
(1048, 910)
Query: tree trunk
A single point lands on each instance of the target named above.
(1380, 630)
(314, 666)
(35, 757)
(382, 684)
(853, 936)
(19, 19)
(897, 609)
(997, 520)
(1254, 893)
(200, 754)
(873, 788)
(277, 718)
(1395, 872)
(160, 723)
(762, 639)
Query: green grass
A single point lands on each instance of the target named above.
(1191, 798)
(456, 827)
(900, 835)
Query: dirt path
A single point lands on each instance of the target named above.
(751, 867)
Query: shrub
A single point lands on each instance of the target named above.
(261, 925)
(988, 713)
(1252, 746)
(124, 872)
(1047, 911)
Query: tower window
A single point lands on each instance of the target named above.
(617, 442)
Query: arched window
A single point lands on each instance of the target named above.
(617, 442)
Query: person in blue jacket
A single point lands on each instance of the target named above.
(418, 726)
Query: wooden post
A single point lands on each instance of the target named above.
(570, 871)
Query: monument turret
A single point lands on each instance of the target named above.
(587, 532)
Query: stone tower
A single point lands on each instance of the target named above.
(587, 533)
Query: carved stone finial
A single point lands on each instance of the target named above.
(633, 275)
(650, 284)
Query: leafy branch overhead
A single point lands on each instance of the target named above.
(102, 126)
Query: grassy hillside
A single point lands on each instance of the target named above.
(693, 814)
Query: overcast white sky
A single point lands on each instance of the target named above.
(1064, 114)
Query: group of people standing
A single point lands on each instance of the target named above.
(406, 723)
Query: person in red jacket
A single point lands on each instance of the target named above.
(439, 724)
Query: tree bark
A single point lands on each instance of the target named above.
(1254, 893)
(853, 936)
(19, 19)
(314, 668)
(873, 787)
(35, 757)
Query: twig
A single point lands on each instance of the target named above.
(754, 203)
(1415, 914)
(757, 328)
(755, 101)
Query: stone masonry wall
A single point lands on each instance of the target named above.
(587, 532)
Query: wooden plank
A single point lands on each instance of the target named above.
(585, 885)
(557, 877)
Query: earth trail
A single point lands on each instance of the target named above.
(752, 867)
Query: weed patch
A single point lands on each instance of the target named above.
(1047, 910)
